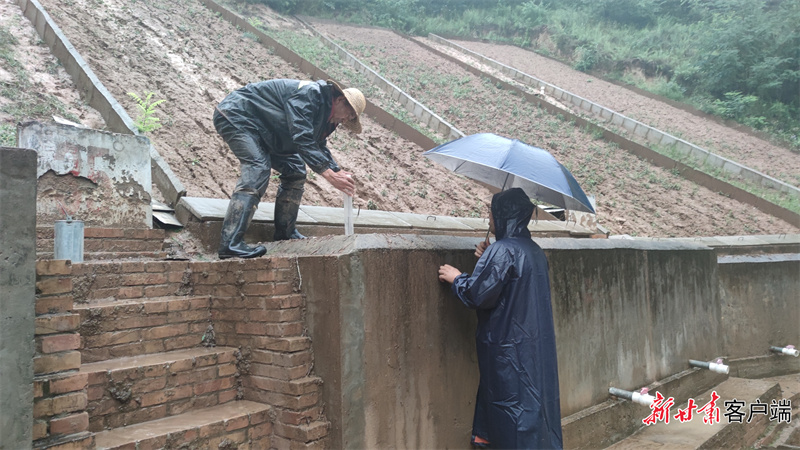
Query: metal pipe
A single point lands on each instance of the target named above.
(717, 366)
(636, 397)
(788, 350)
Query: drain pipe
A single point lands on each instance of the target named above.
(716, 366)
(788, 350)
(642, 397)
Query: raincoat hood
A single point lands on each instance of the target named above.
(511, 210)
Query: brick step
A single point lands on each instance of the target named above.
(108, 239)
(696, 434)
(126, 391)
(112, 256)
(222, 426)
(111, 328)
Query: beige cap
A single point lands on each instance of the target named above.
(357, 101)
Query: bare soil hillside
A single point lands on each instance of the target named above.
(187, 55)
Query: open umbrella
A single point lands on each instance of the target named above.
(506, 163)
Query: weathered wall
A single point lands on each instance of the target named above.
(760, 297)
(17, 294)
(101, 178)
(396, 349)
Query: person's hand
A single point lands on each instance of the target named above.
(341, 180)
(448, 273)
(481, 247)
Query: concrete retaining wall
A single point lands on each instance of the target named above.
(760, 297)
(17, 294)
(395, 348)
(635, 127)
(96, 95)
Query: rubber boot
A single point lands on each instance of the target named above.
(287, 205)
(240, 210)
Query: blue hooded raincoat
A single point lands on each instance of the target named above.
(518, 397)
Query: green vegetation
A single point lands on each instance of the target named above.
(737, 59)
(147, 121)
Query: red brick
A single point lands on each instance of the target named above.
(225, 370)
(285, 329)
(227, 396)
(60, 342)
(76, 401)
(156, 266)
(113, 338)
(260, 417)
(130, 292)
(302, 433)
(237, 423)
(54, 305)
(95, 392)
(284, 288)
(179, 342)
(294, 387)
(103, 232)
(39, 429)
(53, 267)
(143, 279)
(178, 304)
(166, 331)
(128, 321)
(296, 402)
(283, 373)
(72, 383)
(291, 417)
(213, 386)
(131, 267)
(257, 328)
(149, 385)
(53, 286)
(259, 431)
(38, 388)
(283, 344)
(214, 429)
(282, 359)
(276, 315)
(158, 291)
(57, 323)
(80, 443)
(56, 362)
(72, 424)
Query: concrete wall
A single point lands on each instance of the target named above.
(17, 295)
(101, 178)
(760, 296)
(396, 349)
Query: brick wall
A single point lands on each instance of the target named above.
(126, 307)
(59, 391)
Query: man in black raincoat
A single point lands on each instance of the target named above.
(518, 398)
(282, 125)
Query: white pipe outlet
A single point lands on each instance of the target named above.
(788, 350)
(717, 366)
(642, 398)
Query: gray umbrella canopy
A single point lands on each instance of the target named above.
(506, 163)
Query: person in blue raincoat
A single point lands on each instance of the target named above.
(518, 398)
(281, 124)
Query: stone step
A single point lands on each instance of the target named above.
(112, 328)
(126, 391)
(107, 239)
(114, 256)
(222, 426)
(696, 434)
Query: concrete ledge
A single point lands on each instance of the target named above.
(621, 418)
(764, 366)
(640, 129)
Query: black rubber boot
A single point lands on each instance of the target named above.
(287, 205)
(240, 210)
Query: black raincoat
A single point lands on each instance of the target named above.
(290, 117)
(518, 398)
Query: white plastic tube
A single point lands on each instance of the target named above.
(788, 350)
(348, 214)
(717, 367)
